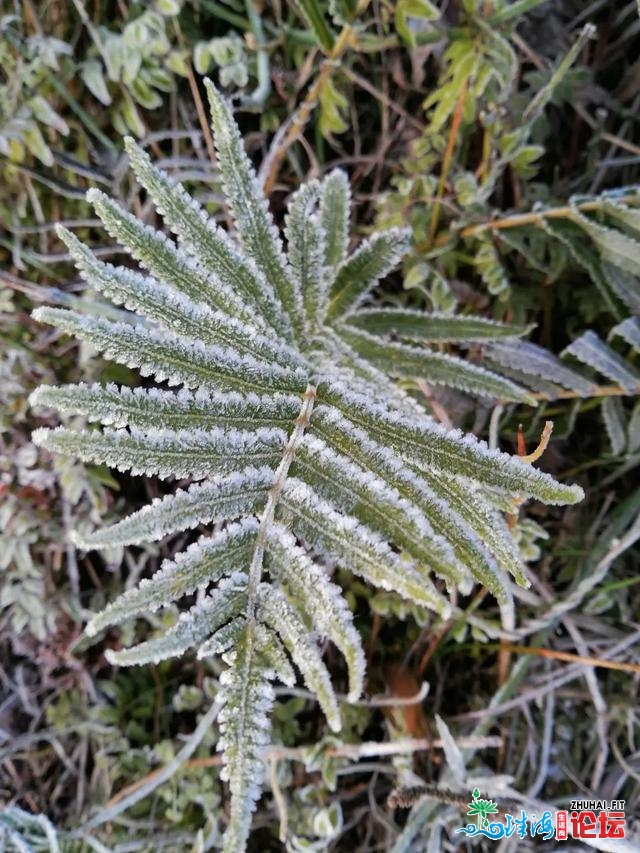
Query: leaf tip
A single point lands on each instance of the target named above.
(92, 628)
(39, 436)
(335, 721)
(575, 494)
(216, 99)
(62, 232)
(210, 86)
(94, 196)
(35, 397)
(40, 314)
(112, 657)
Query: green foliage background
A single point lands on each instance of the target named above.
(447, 117)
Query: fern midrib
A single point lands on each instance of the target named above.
(255, 569)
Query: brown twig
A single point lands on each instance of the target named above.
(438, 409)
(448, 157)
(598, 391)
(542, 444)
(197, 100)
(532, 217)
(620, 666)
(305, 109)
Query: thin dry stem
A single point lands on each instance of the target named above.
(279, 479)
(306, 108)
(601, 663)
(533, 217)
(447, 159)
(542, 444)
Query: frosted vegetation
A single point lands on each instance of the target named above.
(279, 403)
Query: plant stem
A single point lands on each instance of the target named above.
(197, 100)
(602, 663)
(137, 792)
(220, 10)
(599, 391)
(533, 217)
(542, 444)
(515, 10)
(260, 94)
(448, 157)
(83, 115)
(306, 108)
(279, 479)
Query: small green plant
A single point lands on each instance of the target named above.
(296, 436)
(141, 60)
(458, 217)
(489, 120)
(24, 112)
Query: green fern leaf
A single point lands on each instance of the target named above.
(173, 359)
(168, 263)
(406, 361)
(533, 362)
(203, 562)
(629, 331)
(355, 277)
(426, 444)
(592, 351)
(335, 200)
(146, 408)
(215, 500)
(247, 697)
(327, 608)
(342, 537)
(367, 491)
(173, 311)
(258, 234)
(418, 326)
(210, 246)
(305, 241)
(192, 628)
(226, 638)
(167, 453)
(282, 617)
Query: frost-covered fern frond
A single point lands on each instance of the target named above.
(300, 446)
